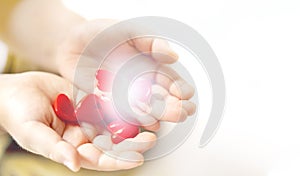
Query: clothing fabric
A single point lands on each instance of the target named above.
(3, 56)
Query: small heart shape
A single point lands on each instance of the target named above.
(105, 80)
(64, 109)
(88, 110)
(121, 130)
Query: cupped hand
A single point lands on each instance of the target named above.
(78, 61)
(27, 115)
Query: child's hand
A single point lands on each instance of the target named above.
(172, 87)
(27, 115)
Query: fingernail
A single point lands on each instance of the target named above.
(170, 50)
(132, 157)
(172, 53)
(130, 160)
(164, 46)
(103, 142)
(71, 166)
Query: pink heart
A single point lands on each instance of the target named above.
(88, 110)
(105, 80)
(121, 130)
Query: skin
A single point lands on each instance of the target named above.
(64, 143)
(54, 42)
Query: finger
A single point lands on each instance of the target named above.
(141, 143)
(159, 91)
(120, 161)
(103, 142)
(89, 130)
(171, 81)
(95, 159)
(41, 139)
(145, 119)
(74, 135)
(181, 89)
(189, 107)
(154, 127)
(89, 155)
(164, 106)
(141, 113)
(159, 49)
(55, 85)
(168, 109)
(58, 125)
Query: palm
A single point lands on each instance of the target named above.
(173, 91)
(37, 129)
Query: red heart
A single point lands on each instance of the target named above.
(64, 109)
(88, 110)
(121, 130)
(105, 80)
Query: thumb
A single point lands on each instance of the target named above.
(52, 85)
(52, 146)
(158, 48)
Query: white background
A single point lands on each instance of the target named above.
(257, 43)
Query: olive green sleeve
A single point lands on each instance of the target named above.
(6, 7)
(16, 65)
